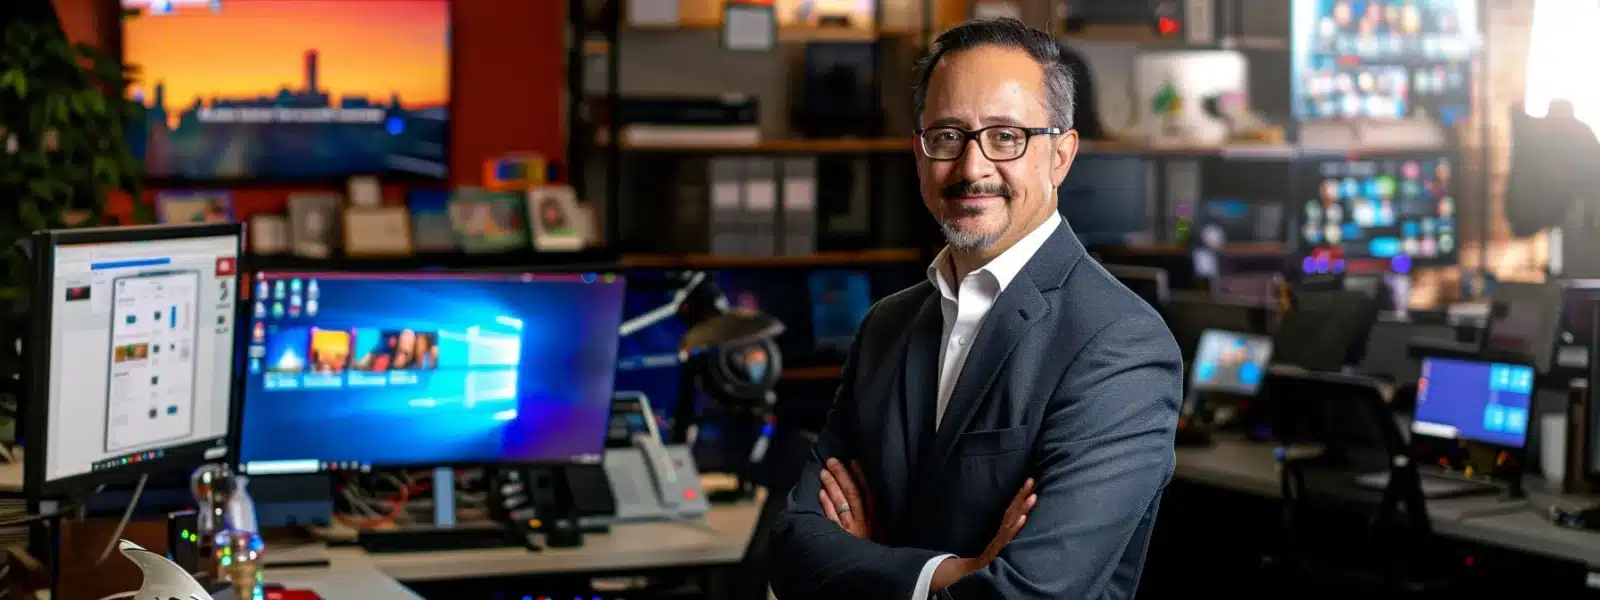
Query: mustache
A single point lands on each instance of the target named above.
(963, 189)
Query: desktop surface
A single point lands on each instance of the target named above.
(138, 339)
(351, 370)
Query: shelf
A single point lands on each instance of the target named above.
(586, 259)
(821, 259)
(583, 259)
(828, 373)
(1238, 249)
(795, 146)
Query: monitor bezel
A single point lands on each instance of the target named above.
(38, 350)
(242, 343)
(1590, 455)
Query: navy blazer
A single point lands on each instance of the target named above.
(1072, 380)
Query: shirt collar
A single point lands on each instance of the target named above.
(1003, 268)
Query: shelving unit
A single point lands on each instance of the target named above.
(602, 40)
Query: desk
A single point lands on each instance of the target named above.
(719, 539)
(1250, 468)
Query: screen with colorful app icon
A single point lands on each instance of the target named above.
(1227, 361)
(1473, 400)
(451, 368)
(1384, 59)
(1378, 215)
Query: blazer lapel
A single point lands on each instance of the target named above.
(920, 391)
(1016, 310)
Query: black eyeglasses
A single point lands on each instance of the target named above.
(998, 143)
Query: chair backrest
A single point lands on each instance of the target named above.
(1332, 427)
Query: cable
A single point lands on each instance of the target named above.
(60, 513)
(127, 515)
(121, 595)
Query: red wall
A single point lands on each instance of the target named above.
(510, 77)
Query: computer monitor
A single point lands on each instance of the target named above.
(840, 299)
(1230, 362)
(132, 363)
(1326, 330)
(1150, 283)
(1475, 401)
(350, 370)
(1573, 340)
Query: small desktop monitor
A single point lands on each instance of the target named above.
(1476, 401)
(348, 370)
(132, 365)
(1230, 362)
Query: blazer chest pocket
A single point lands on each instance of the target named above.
(992, 442)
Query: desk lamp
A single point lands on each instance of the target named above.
(731, 355)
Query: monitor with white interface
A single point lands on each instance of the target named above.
(1232, 362)
(135, 362)
(1476, 401)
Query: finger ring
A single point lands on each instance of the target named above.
(844, 508)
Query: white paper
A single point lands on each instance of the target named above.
(761, 186)
(653, 13)
(726, 178)
(749, 28)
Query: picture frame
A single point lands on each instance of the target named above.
(749, 27)
(558, 224)
(314, 224)
(431, 229)
(194, 206)
(268, 234)
(377, 231)
(489, 221)
(365, 191)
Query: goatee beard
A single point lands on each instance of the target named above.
(965, 241)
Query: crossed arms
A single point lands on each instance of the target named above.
(1103, 455)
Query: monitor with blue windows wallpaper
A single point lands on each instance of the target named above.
(1227, 361)
(351, 370)
(1476, 401)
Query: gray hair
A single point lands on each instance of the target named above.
(1004, 33)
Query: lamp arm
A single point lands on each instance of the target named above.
(668, 310)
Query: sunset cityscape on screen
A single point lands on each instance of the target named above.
(290, 89)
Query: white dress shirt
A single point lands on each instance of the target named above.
(964, 308)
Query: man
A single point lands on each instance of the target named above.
(1021, 392)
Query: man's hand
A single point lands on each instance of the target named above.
(842, 498)
(952, 570)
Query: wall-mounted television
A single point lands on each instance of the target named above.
(1384, 59)
(290, 90)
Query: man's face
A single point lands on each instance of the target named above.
(979, 202)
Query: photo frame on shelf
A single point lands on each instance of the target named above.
(194, 206)
(749, 27)
(268, 234)
(314, 220)
(558, 223)
(364, 191)
(377, 231)
(431, 230)
(488, 222)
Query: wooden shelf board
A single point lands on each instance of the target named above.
(1236, 249)
(827, 373)
(820, 259)
(795, 146)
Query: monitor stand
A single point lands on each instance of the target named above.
(445, 533)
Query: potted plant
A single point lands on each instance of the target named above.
(64, 118)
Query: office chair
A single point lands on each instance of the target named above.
(1330, 425)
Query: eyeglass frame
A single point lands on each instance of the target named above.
(972, 136)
